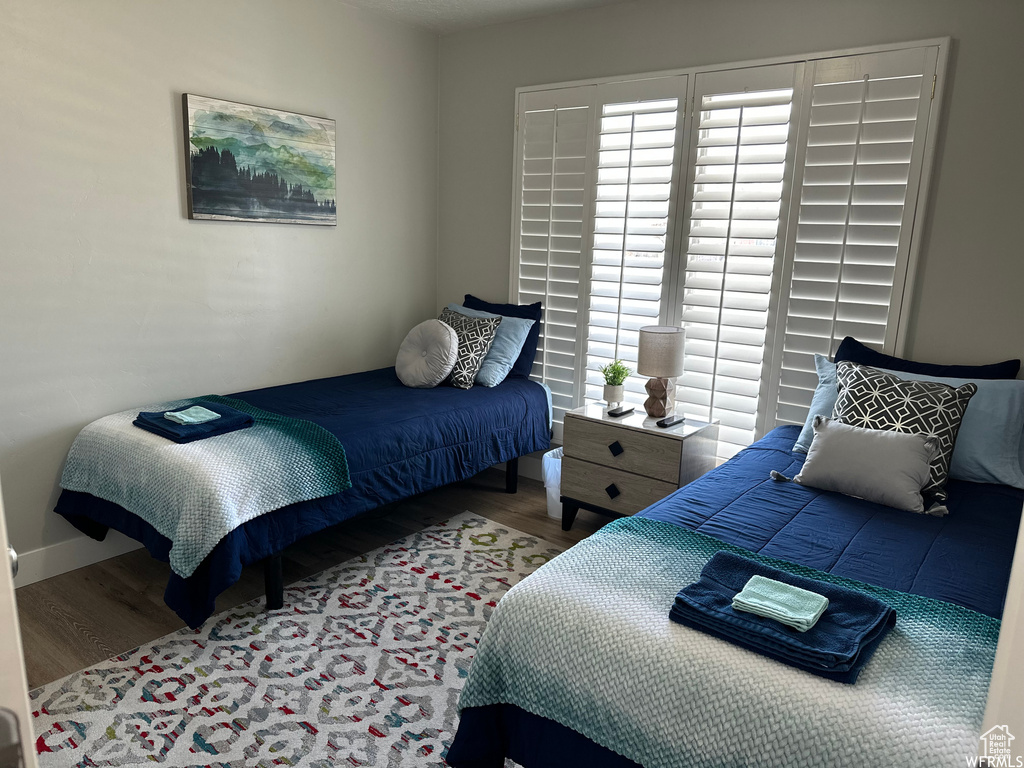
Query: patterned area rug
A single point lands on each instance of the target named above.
(362, 667)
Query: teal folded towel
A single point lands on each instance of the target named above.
(194, 415)
(795, 607)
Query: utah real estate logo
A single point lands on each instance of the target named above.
(996, 750)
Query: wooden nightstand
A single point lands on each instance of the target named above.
(620, 466)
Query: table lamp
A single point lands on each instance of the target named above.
(660, 356)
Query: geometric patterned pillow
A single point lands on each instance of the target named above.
(476, 335)
(872, 399)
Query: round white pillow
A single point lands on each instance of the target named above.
(427, 355)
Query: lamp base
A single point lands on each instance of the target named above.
(661, 397)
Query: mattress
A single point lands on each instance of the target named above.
(962, 558)
(399, 442)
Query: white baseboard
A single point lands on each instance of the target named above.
(42, 563)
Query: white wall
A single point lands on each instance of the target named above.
(967, 305)
(111, 298)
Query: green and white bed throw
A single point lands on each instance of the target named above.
(197, 493)
(586, 641)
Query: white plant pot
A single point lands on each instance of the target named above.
(613, 394)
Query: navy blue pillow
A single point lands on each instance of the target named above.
(855, 352)
(524, 363)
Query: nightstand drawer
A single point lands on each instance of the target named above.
(613, 489)
(643, 453)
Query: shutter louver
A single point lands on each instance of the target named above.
(737, 194)
(632, 209)
(550, 237)
(777, 223)
(856, 200)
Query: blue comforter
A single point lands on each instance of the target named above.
(399, 442)
(963, 558)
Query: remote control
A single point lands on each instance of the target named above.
(671, 421)
(620, 411)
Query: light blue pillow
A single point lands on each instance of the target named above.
(823, 402)
(990, 445)
(508, 343)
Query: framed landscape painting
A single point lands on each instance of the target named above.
(247, 163)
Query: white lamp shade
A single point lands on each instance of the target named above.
(661, 351)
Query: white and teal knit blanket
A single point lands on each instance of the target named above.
(586, 641)
(197, 493)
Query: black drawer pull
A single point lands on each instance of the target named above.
(616, 448)
(612, 491)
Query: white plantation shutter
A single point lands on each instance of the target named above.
(768, 209)
(638, 153)
(856, 202)
(554, 129)
(741, 146)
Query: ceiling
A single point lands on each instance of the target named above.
(444, 16)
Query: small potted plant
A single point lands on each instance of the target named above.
(615, 374)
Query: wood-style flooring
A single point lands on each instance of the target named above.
(77, 619)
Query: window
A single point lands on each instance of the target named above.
(769, 209)
(553, 133)
(638, 158)
(855, 208)
(742, 147)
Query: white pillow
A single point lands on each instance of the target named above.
(427, 355)
(889, 468)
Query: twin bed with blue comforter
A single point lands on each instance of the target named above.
(398, 442)
(580, 664)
